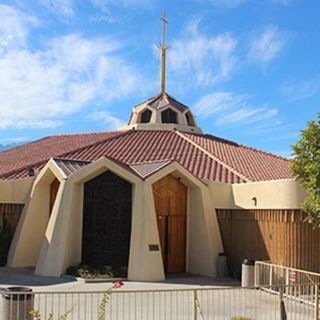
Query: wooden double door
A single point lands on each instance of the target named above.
(170, 196)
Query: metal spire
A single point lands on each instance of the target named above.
(163, 47)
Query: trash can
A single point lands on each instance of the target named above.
(17, 302)
(222, 268)
(247, 274)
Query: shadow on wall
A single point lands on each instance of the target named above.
(280, 236)
(241, 237)
(9, 217)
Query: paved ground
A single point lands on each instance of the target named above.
(219, 299)
(25, 277)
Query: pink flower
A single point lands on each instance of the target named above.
(117, 284)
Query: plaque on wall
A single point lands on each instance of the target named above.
(153, 247)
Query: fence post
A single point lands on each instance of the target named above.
(195, 310)
(282, 307)
(256, 274)
(270, 276)
(316, 301)
(287, 283)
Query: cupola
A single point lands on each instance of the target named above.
(162, 112)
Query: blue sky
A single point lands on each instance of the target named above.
(249, 70)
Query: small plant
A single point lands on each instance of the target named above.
(36, 315)
(241, 318)
(96, 272)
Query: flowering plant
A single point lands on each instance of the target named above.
(106, 297)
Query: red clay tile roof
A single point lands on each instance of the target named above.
(35, 153)
(254, 164)
(205, 156)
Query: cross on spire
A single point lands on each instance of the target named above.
(163, 47)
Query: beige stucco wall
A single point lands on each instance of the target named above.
(56, 243)
(204, 240)
(277, 194)
(221, 194)
(29, 235)
(15, 191)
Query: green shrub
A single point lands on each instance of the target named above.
(5, 241)
(96, 272)
(241, 318)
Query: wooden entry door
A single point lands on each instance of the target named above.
(171, 207)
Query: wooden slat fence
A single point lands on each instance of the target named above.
(277, 235)
(10, 212)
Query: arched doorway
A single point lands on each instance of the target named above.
(170, 196)
(106, 221)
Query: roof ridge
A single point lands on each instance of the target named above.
(265, 152)
(65, 159)
(149, 162)
(241, 175)
(176, 100)
(147, 100)
(80, 133)
(240, 145)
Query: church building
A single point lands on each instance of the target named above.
(155, 197)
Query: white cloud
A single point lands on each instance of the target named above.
(106, 4)
(231, 109)
(61, 7)
(14, 26)
(218, 102)
(247, 115)
(39, 87)
(302, 90)
(14, 140)
(268, 45)
(201, 58)
(111, 121)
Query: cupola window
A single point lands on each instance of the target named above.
(190, 119)
(169, 116)
(146, 116)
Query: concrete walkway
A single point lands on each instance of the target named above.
(26, 277)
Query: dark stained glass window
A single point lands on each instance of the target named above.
(146, 116)
(169, 116)
(190, 119)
